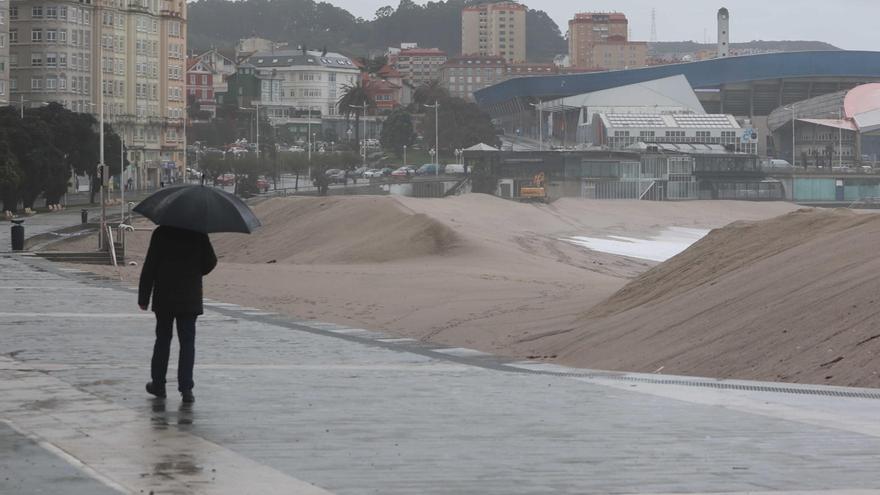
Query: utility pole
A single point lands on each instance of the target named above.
(363, 143)
(102, 241)
(257, 112)
(436, 107)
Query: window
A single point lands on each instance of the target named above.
(13, 12)
(13, 84)
(204, 79)
(62, 13)
(51, 12)
(51, 83)
(51, 35)
(51, 60)
(37, 11)
(36, 59)
(174, 28)
(36, 83)
(62, 36)
(205, 94)
(36, 35)
(13, 59)
(62, 60)
(62, 82)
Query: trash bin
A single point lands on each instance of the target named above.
(17, 235)
(84, 214)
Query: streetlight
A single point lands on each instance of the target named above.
(363, 106)
(540, 125)
(21, 105)
(791, 107)
(404, 155)
(436, 107)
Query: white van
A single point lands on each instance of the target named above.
(776, 163)
(454, 168)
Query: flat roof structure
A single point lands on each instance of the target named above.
(752, 85)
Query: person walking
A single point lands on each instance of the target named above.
(176, 261)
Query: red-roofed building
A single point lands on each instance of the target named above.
(600, 41)
(200, 86)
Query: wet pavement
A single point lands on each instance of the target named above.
(288, 406)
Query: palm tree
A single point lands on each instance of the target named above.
(352, 101)
(429, 92)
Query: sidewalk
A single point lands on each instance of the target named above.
(286, 406)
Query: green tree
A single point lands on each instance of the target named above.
(462, 124)
(429, 92)
(11, 175)
(397, 131)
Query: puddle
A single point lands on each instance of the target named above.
(660, 247)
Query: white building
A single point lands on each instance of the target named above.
(618, 131)
(294, 83)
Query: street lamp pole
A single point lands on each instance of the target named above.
(793, 155)
(101, 238)
(436, 107)
(257, 108)
(404, 155)
(540, 125)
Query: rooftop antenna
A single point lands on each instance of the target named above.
(653, 25)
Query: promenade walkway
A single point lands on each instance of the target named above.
(301, 407)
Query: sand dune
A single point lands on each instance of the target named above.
(474, 271)
(795, 298)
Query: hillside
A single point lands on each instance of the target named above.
(220, 23)
(795, 298)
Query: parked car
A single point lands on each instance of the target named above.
(386, 171)
(454, 168)
(403, 172)
(225, 180)
(296, 149)
(336, 176)
(427, 169)
(358, 172)
(372, 172)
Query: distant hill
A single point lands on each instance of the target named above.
(220, 23)
(673, 47)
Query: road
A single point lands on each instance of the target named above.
(295, 406)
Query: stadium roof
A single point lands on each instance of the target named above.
(668, 92)
(708, 74)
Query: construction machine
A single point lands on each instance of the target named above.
(536, 191)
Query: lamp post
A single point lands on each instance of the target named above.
(436, 107)
(363, 106)
(404, 155)
(540, 125)
(793, 155)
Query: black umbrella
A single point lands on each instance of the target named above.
(200, 208)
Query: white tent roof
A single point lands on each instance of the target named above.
(665, 93)
(481, 147)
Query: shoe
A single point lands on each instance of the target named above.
(152, 389)
(188, 397)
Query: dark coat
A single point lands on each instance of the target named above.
(177, 259)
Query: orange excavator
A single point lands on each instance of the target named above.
(536, 191)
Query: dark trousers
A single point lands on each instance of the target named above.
(186, 335)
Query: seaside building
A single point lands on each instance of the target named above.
(61, 52)
(600, 41)
(464, 75)
(494, 30)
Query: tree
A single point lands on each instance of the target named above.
(462, 124)
(397, 131)
(354, 97)
(429, 92)
(11, 175)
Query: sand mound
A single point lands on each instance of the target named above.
(336, 230)
(795, 298)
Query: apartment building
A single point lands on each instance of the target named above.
(464, 75)
(494, 30)
(418, 65)
(600, 41)
(125, 57)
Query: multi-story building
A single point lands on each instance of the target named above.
(418, 65)
(494, 30)
(112, 56)
(600, 41)
(4, 52)
(466, 74)
(463, 75)
(200, 89)
(296, 83)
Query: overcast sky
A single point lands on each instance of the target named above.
(848, 24)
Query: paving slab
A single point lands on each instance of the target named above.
(290, 406)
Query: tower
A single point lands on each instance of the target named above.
(653, 25)
(723, 33)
